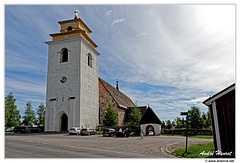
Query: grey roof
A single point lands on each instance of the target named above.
(121, 99)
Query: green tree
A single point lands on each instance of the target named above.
(196, 119)
(206, 119)
(110, 118)
(40, 120)
(179, 122)
(135, 117)
(163, 125)
(12, 115)
(168, 124)
(29, 117)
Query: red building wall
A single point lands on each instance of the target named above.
(105, 99)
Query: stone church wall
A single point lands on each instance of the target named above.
(104, 99)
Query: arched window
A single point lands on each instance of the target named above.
(64, 55)
(90, 60)
(69, 28)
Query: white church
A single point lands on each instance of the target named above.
(73, 96)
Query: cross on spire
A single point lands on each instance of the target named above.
(76, 14)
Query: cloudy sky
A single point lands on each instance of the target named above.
(170, 57)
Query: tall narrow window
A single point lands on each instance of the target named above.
(90, 60)
(64, 55)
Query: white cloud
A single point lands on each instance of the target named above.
(116, 21)
(109, 12)
(167, 102)
(31, 87)
(141, 34)
(184, 58)
(23, 62)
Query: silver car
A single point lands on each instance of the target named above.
(74, 130)
(87, 131)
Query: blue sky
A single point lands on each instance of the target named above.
(171, 57)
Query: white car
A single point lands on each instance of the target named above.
(74, 130)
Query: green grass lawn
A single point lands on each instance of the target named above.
(191, 136)
(99, 132)
(201, 136)
(196, 151)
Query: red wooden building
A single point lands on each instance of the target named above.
(222, 109)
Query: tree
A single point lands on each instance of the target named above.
(135, 117)
(163, 125)
(206, 119)
(40, 120)
(12, 115)
(179, 122)
(196, 120)
(29, 117)
(168, 124)
(110, 118)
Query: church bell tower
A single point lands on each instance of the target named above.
(72, 98)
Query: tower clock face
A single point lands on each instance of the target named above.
(63, 79)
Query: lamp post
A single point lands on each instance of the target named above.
(187, 116)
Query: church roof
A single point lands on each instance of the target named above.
(121, 99)
(149, 117)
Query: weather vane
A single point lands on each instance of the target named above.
(76, 14)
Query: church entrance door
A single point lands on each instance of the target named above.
(64, 122)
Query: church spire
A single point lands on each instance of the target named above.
(117, 85)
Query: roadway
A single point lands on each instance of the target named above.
(62, 145)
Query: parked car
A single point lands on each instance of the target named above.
(26, 129)
(74, 130)
(109, 132)
(122, 132)
(21, 129)
(34, 129)
(9, 129)
(87, 131)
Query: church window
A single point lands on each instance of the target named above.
(69, 28)
(64, 55)
(90, 60)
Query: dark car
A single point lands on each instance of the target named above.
(109, 132)
(122, 133)
(26, 129)
(21, 129)
(34, 129)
